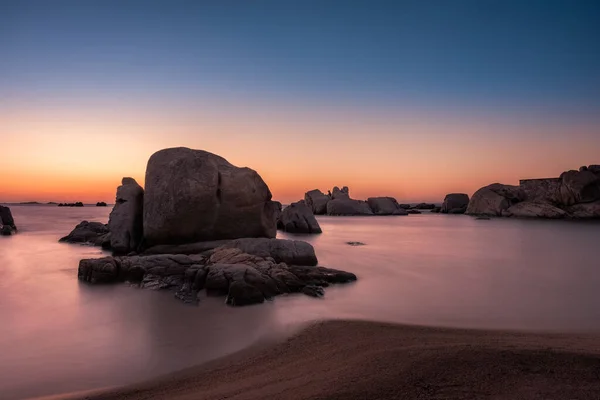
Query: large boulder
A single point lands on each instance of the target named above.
(294, 252)
(579, 187)
(346, 206)
(94, 233)
(317, 201)
(455, 203)
(385, 206)
(126, 218)
(492, 200)
(584, 210)
(7, 222)
(528, 209)
(194, 195)
(298, 218)
(594, 169)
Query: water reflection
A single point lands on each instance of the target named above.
(59, 335)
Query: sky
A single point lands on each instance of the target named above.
(411, 99)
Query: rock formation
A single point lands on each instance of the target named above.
(7, 223)
(317, 201)
(203, 223)
(226, 271)
(101, 204)
(454, 203)
(126, 218)
(298, 218)
(424, 206)
(347, 206)
(94, 233)
(193, 195)
(575, 194)
(385, 206)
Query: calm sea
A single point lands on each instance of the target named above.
(58, 335)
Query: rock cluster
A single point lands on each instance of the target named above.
(101, 204)
(225, 271)
(575, 194)
(77, 204)
(7, 223)
(339, 202)
(202, 223)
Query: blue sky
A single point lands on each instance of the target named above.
(506, 54)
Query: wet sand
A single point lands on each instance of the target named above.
(369, 360)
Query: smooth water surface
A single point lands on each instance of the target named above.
(58, 335)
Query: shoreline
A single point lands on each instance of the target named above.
(357, 359)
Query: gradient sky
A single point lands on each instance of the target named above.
(412, 99)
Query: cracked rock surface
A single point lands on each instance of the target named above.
(225, 271)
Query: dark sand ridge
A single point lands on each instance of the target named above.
(369, 360)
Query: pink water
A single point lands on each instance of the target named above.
(57, 335)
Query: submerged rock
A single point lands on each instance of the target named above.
(317, 201)
(194, 195)
(7, 222)
(126, 218)
(455, 203)
(298, 218)
(385, 206)
(244, 278)
(95, 233)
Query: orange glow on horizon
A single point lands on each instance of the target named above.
(62, 155)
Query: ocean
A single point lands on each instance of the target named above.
(58, 335)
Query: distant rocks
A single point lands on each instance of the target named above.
(317, 201)
(126, 218)
(243, 278)
(93, 233)
(575, 194)
(77, 204)
(298, 218)
(347, 206)
(7, 222)
(413, 211)
(454, 203)
(385, 206)
(424, 206)
(193, 195)
(100, 204)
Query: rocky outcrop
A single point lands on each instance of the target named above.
(126, 218)
(492, 200)
(579, 187)
(563, 197)
(287, 251)
(455, 203)
(7, 222)
(385, 206)
(298, 218)
(94, 233)
(528, 209)
(317, 201)
(347, 206)
(101, 204)
(584, 210)
(193, 195)
(228, 271)
(343, 193)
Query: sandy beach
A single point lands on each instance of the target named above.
(369, 360)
